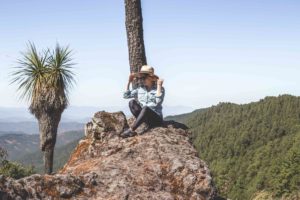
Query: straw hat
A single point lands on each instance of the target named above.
(146, 69)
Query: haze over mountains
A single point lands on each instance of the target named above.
(18, 145)
(78, 113)
(31, 127)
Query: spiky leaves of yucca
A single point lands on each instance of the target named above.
(44, 79)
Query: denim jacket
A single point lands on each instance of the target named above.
(146, 98)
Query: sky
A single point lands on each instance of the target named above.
(206, 51)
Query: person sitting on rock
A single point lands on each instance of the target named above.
(147, 103)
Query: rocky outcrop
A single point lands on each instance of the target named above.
(159, 163)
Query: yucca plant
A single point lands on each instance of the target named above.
(44, 79)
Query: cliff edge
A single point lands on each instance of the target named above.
(159, 163)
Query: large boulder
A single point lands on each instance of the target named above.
(159, 163)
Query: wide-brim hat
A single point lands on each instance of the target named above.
(146, 70)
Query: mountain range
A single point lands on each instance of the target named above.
(31, 127)
(81, 114)
(18, 145)
(252, 149)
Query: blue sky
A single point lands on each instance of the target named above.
(207, 51)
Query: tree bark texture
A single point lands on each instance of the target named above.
(48, 125)
(135, 37)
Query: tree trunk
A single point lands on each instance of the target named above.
(135, 38)
(48, 124)
(48, 160)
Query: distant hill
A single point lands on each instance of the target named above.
(252, 149)
(28, 127)
(9, 132)
(17, 145)
(81, 114)
(61, 156)
(185, 116)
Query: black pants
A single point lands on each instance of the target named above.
(144, 114)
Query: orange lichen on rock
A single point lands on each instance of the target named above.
(79, 151)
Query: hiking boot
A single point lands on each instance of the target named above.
(128, 133)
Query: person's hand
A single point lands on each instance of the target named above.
(131, 77)
(160, 81)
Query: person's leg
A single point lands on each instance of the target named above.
(149, 116)
(153, 119)
(135, 108)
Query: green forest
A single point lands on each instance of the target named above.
(251, 148)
